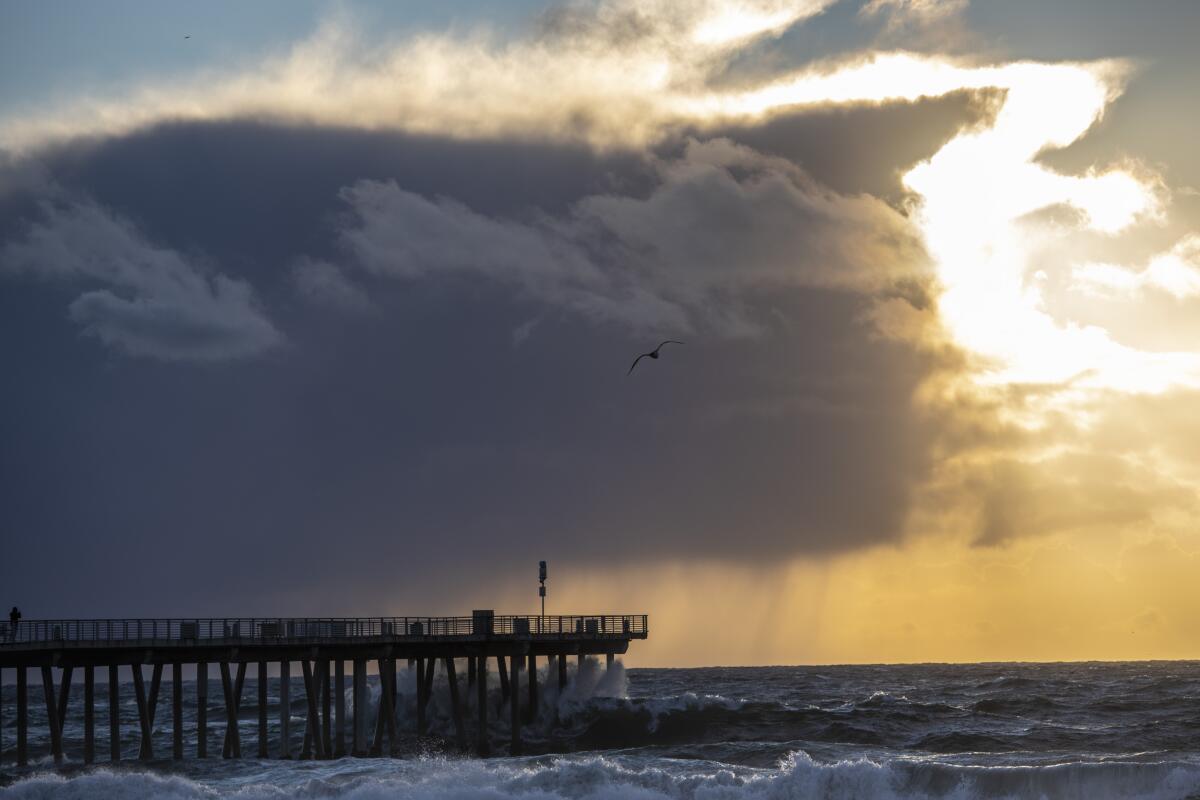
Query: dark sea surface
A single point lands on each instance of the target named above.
(1091, 730)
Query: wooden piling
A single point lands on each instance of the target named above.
(562, 673)
(533, 687)
(326, 709)
(64, 693)
(152, 702)
(177, 711)
(310, 694)
(146, 749)
(358, 746)
(202, 709)
(387, 700)
(430, 668)
(232, 746)
(114, 714)
(22, 718)
(285, 709)
(420, 696)
(377, 741)
(504, 679)
(460, 733)
(481, 687)
(514, 708)
(608, 661)
(89, 714)
(52, 714)
(264, 748)
(339, 746)
(470, 672)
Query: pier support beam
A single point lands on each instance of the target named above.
(22, 718)
(339, 746)
(264, 749)
(310, 694)
(470, 672)
(359, 745)
(177, 711)
(89, 714)
(64, 693)
(430, 668)
(232, 746)
(481, 687)
(460, 733)
(562, 673)
(533, 687)
(114, 714)
(146, 707)
(514, 707)
(608, 661)
(52, 715)
(386, 722)
(504, 679)
(420, 697)
(285, 709)
(326, 709)
(202, 709)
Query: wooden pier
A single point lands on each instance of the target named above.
(322, 649)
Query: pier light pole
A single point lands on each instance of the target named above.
(542, 591)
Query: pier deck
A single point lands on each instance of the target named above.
(322, 647)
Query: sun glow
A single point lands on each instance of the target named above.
(976, 196)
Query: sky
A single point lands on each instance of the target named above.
(327, 309)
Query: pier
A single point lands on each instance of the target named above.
(327, 652)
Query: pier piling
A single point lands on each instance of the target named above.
(177, 711)
(264, 747)
(514, 709)
(285, 709)
(89, 714)
(339, 671)
(481, 687)
(114, 714)
(202, 709)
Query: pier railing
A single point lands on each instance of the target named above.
(282, 629)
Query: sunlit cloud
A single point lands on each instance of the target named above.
(1176, 272)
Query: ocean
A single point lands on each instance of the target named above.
(1081, 730)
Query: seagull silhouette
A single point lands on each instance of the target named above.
(652, 354)
(187, 36)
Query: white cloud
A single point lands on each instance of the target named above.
(1175, 272)
(595, 73)
(154, 302)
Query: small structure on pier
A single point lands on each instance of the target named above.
(322, 647)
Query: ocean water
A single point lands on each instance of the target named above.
(1089, 731)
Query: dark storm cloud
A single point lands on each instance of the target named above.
(155, 303)
(378, 451)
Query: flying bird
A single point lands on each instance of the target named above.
(652, 354)
(187, 36)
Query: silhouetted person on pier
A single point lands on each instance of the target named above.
(14, 617)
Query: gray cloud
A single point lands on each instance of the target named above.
(155, 302)
(721, 219)
(325, 284)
